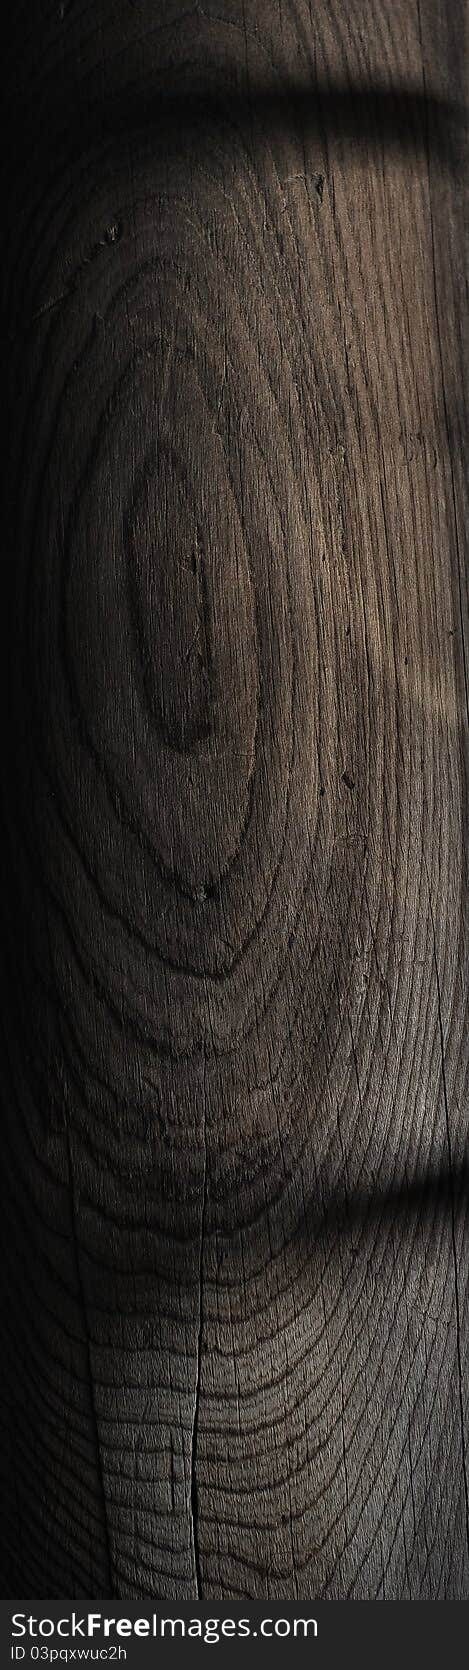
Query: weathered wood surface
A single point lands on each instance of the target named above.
(234, 1040)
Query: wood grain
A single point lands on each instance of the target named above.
(234, 1029)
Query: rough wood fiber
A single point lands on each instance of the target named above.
(234, 1041)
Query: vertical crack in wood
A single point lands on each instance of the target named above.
(452, 1200)
(194, 1494)
(94, 1413)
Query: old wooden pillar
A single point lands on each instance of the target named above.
(234, 1043)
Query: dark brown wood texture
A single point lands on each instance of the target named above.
(234, 1056)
